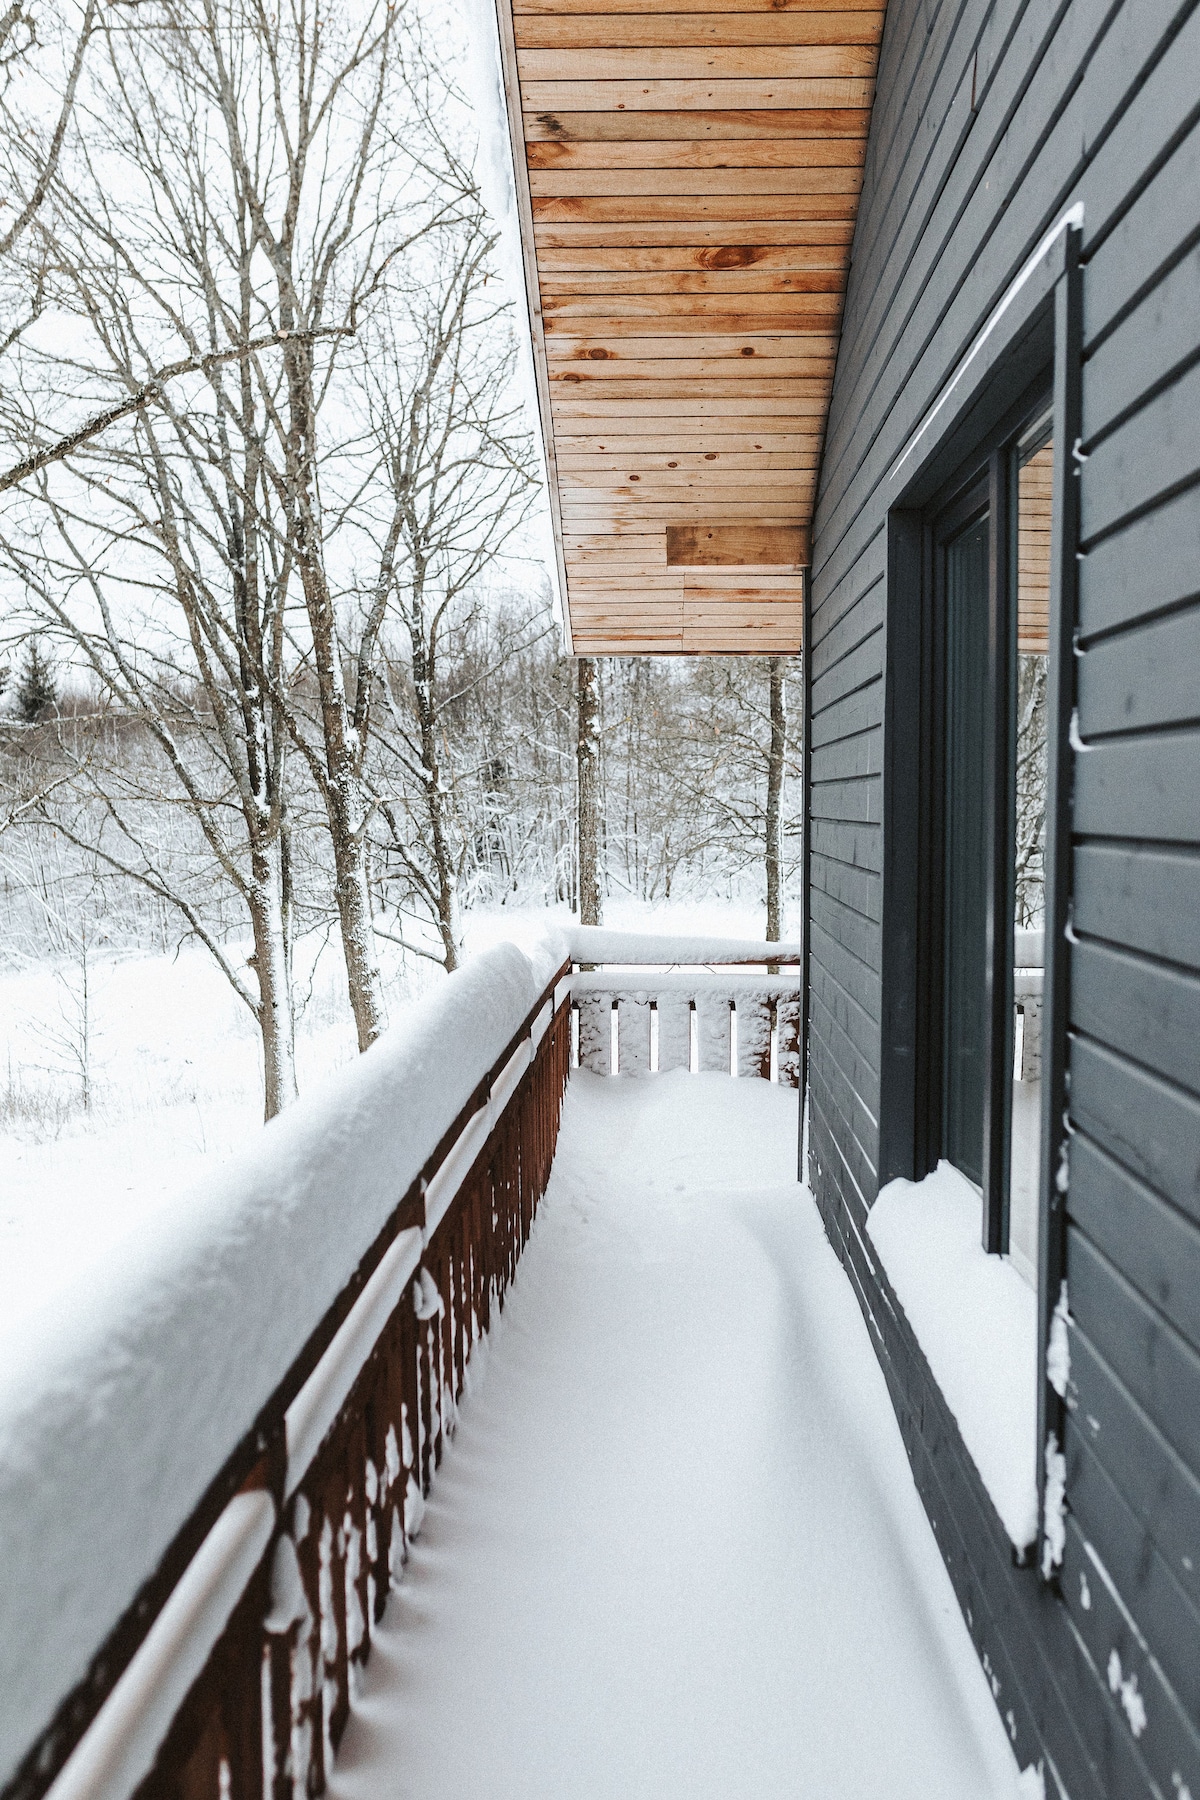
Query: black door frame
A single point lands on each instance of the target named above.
(1035, 331)
(988, 490)
(985, 481)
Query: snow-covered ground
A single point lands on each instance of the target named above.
(675, 1550)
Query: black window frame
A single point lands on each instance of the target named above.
(1030, 345)
(985, 485)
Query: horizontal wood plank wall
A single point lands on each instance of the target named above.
(693, 178)
(992, 117)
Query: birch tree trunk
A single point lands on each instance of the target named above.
(775, 771)
(270, 920)
(424, 650)
(587, 765)
(347, 802)
(181, 498)
(454, 480)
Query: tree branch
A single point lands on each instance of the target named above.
(152, 391)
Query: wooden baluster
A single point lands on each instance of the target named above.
(595, 1033)
(754, 1035)
(787, 1038)
(674, 1032)
(633, 1034)
(713, 1023)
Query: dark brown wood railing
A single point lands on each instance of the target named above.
(231, 1675)
(347, 1523)
(295, 1568)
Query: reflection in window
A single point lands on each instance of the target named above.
(1034, 483)
(965, 836)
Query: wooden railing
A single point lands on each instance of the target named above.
(239, 1684)
(650, 1004)
(229, 1674)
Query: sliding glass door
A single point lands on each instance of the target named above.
(990, 564)
(1033, 492)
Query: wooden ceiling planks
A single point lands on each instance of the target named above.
(688, 175)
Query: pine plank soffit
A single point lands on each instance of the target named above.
(687, 176)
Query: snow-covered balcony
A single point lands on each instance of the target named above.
(291, 1505)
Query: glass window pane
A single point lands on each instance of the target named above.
(964, 1024)
(1034, 484)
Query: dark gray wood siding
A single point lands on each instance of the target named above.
(990, 120)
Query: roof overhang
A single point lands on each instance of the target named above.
(687, 183)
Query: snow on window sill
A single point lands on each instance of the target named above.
(976, 1321)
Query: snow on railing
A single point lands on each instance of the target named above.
(648, 1004)
(668, 950)
(214, 1456)
(211, 1467)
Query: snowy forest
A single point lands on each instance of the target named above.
(284, 713)
(111, 846)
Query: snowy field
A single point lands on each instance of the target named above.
(176, 1085)
(675, 1551)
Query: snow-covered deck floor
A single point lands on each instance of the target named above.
(675, 1550)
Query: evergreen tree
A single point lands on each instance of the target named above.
(37, 689)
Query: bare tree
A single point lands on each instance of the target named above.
(28, 779)
(163, 546)
(31, 141)
(326, 210)
(272, 163)
(221, 745)
(505, 701)
(68, 928)
(688, 753)
(588, 793)
(453, 479)
(71, 1037)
